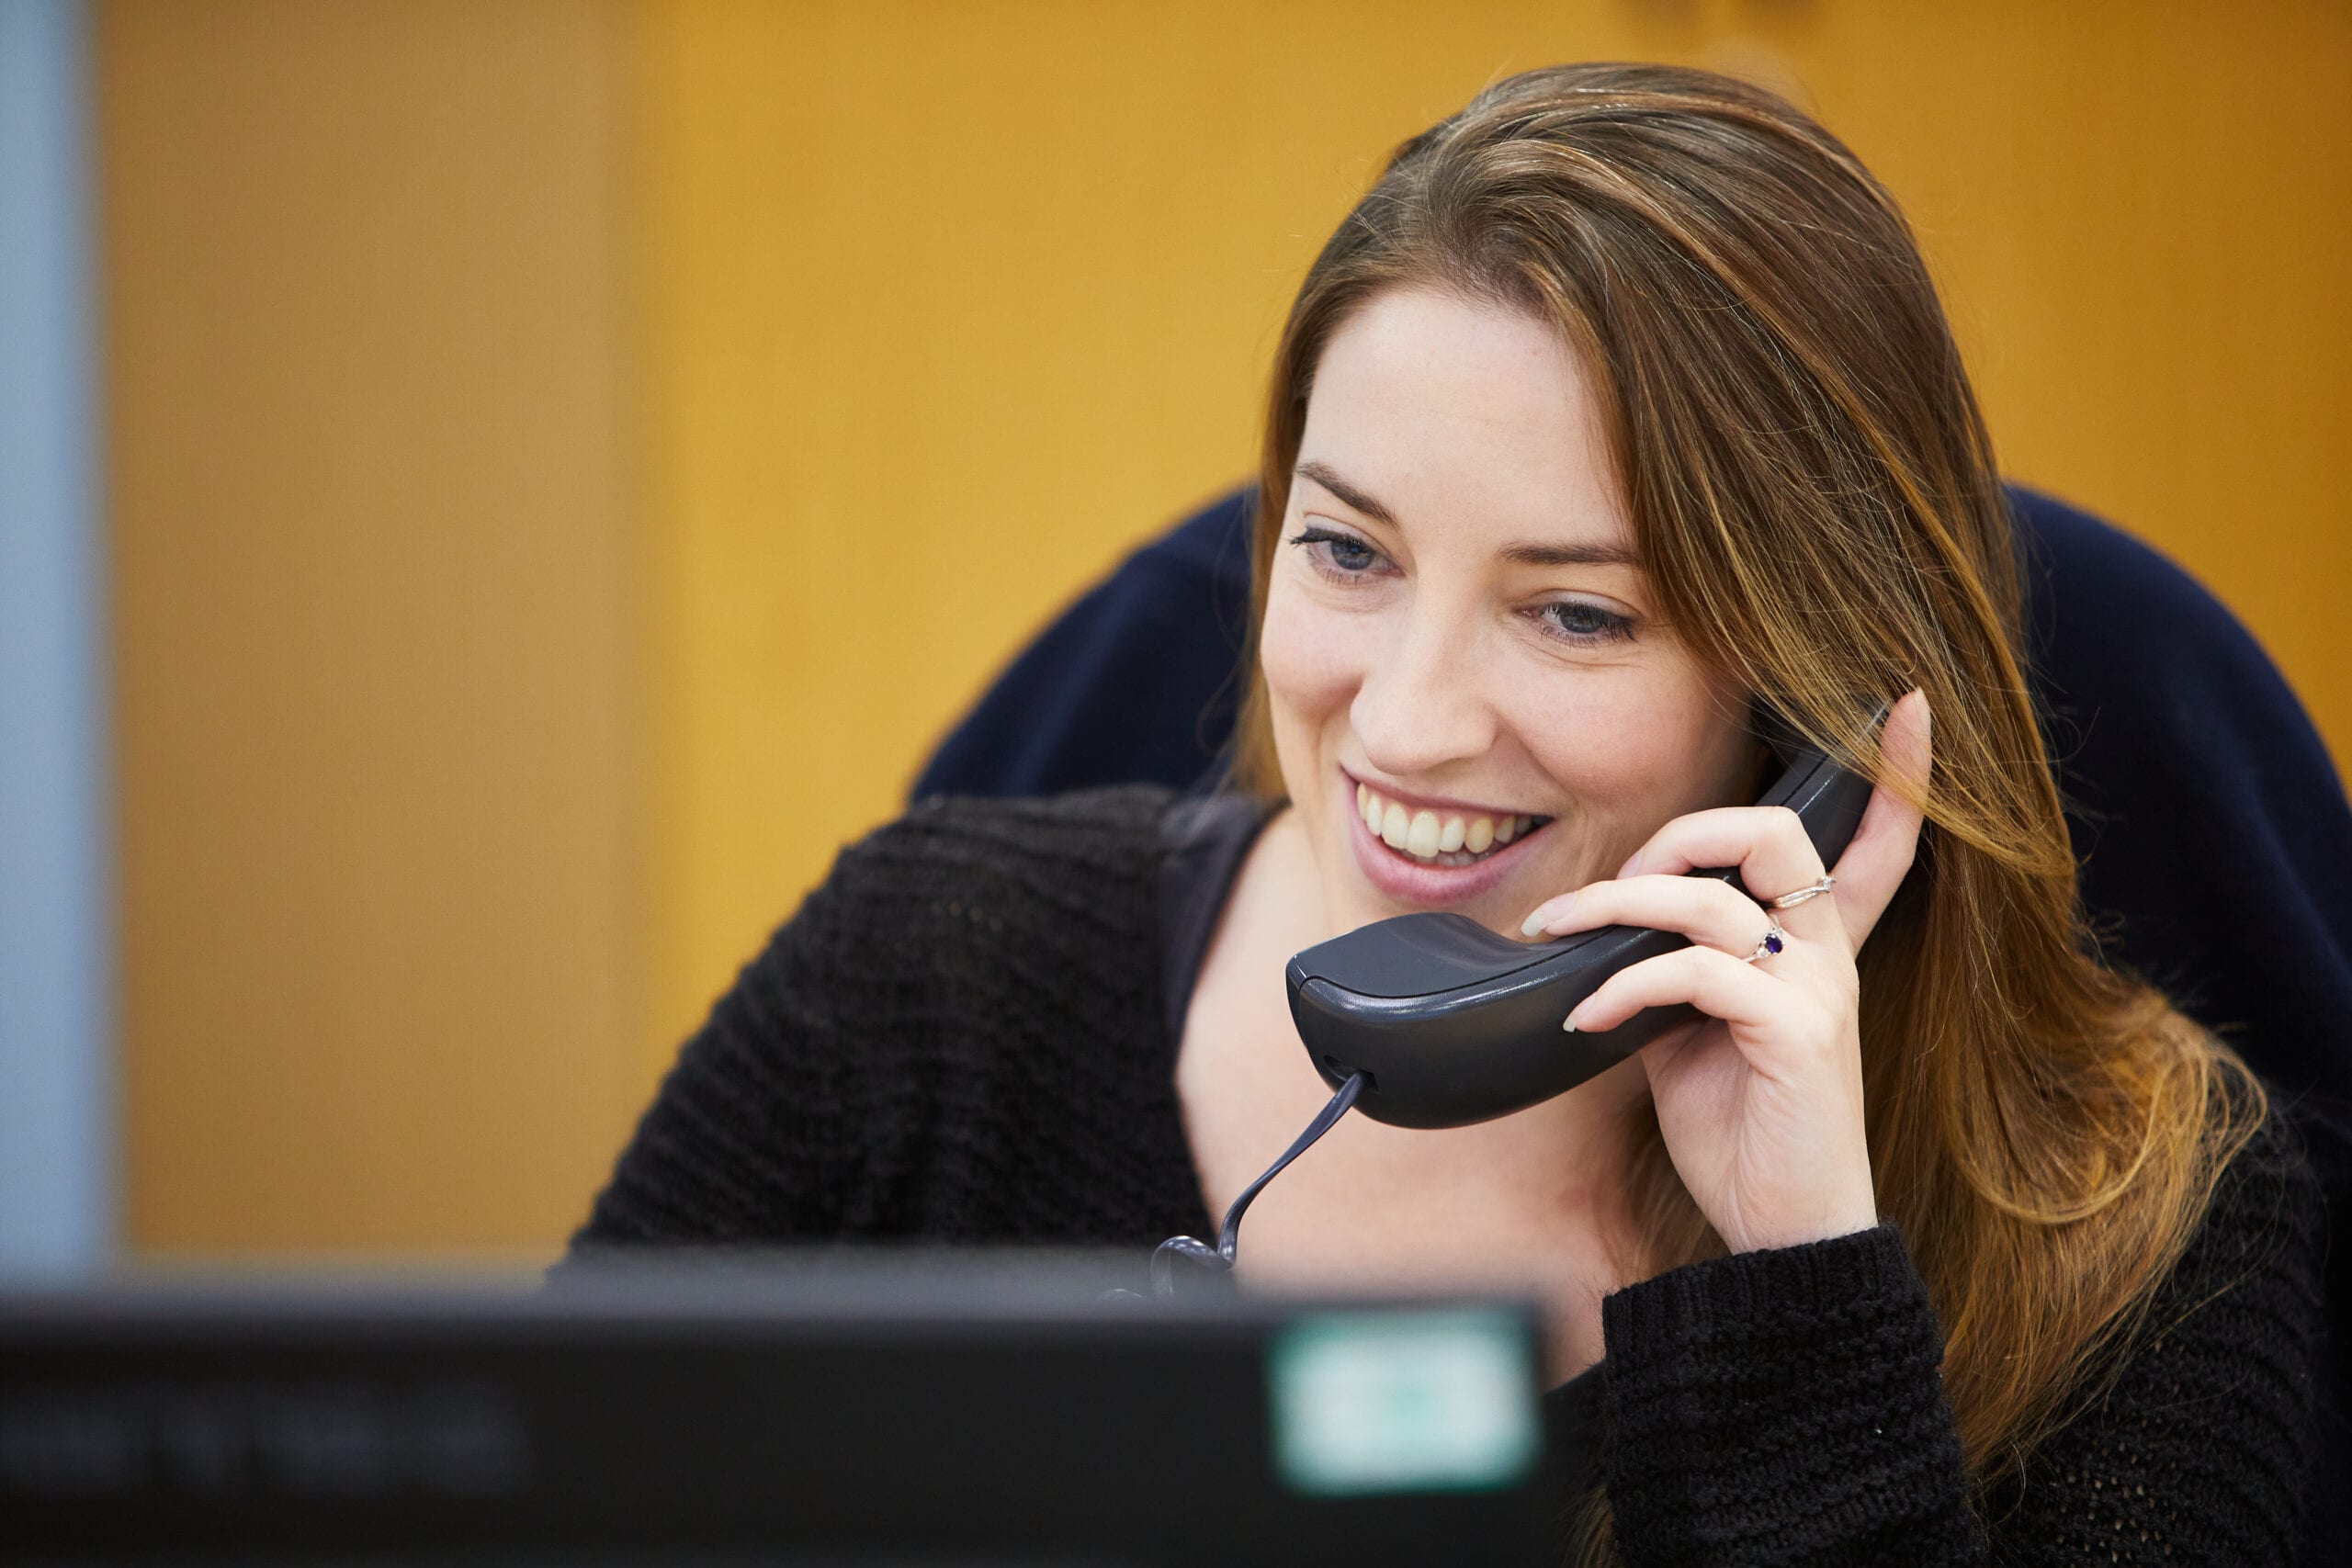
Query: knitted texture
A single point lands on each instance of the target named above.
(957, 1037)
(2190, 1449)
(1783, 1406)
(961, 1037)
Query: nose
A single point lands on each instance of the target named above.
(1422, 704)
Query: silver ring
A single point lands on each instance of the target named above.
(1770, 945)
(1790, 900)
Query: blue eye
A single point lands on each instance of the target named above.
(1578, 623)
(1342, 556)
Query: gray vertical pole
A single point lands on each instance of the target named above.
(57, 1012)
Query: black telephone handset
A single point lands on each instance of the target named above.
(1450, 1025)
(1433, 1021)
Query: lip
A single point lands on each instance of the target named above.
(1431, 887)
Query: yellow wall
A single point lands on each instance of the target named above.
(372, 655)
(950, 304)
(571, 460)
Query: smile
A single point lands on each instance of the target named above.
(1440, 838)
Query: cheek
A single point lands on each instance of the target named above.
(1313, 659)
(1634, 754)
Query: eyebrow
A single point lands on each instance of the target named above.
(1522, 553)
(1526, 553)
(1322, 473)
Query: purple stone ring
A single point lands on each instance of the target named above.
(1772, 943)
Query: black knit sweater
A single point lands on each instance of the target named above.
(964, 1035)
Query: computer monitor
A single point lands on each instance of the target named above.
(830, 1408)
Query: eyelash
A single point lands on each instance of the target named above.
(1613, 627)
(1306, 538)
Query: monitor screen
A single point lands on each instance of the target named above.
(824, 1409)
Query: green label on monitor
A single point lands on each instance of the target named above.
(1373, 1402)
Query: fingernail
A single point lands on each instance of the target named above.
(1546, 913)
(1570, 1022)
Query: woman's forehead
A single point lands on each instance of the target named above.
(1438, 410)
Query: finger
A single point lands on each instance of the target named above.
(1768, 845)
(1888, 839)
(1709, 912)
(1715, 983)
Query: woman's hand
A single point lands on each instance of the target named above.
(1760, 1102)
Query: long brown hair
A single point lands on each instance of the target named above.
(1814, 492)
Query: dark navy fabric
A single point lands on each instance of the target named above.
(2214, 833)
(1138, 681)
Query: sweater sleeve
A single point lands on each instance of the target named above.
(1787, 1406)
(748, 1137)
(957, 1038)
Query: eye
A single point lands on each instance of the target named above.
(1574, 621)
(1342, 558)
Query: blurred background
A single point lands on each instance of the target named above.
(494, 492)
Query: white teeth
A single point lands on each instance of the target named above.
(1423, 838)
(1434, 839)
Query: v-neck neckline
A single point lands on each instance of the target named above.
(1205, 842)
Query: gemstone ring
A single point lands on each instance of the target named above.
(1770, 945)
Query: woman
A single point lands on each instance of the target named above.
(1620, 409)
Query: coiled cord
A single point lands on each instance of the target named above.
(1228, 1234)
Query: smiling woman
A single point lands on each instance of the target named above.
(1458, 625)
(1618, 423)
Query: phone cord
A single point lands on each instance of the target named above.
(1228, 1234)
